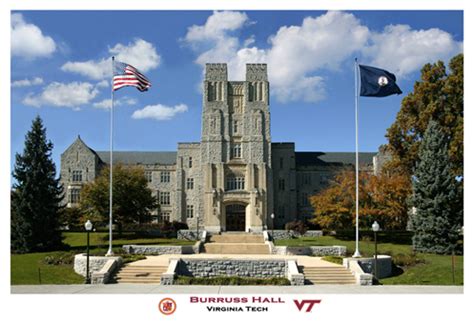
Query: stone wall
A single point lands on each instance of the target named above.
(384, 265)
(159, 250)
(96, 263)
(288, 234)
(258, 268)
(188, 234)
(310, 251)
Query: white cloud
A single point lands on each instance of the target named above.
(107, 103)
(103, 84)
(28, 41)
(72, 95)
(27, 82)
(159, 112)
(403, 50)
(299, 55)
(140, 54)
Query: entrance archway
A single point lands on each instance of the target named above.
(235, 217)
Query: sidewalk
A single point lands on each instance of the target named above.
(195, 289)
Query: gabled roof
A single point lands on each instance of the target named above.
(304, 159)
(139, 157)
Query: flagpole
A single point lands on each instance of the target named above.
(356, 76)
(110, 252)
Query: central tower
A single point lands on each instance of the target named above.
(236, 150)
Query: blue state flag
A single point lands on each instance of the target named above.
(376, 82)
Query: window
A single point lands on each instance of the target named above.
(304, 199)
(189, 211)
(74, 195)
(235, 126)
(324, 179)
(190, 183)
(148, 176)
(306, 178)
(77, 176)
(165, 198)
(236, 151)
(281, 163)
(281, 212)
(190, 162)
(281, 184)
(164, 216)
(165, 176)
(235, 183)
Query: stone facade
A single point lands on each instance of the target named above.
(258, 268)
(235, 178)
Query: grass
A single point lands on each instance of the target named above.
(431, 269)
(24, 267)
(79, 239)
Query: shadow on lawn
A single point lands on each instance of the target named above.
(393, 237)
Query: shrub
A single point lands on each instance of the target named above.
(407, 260)
(297, 226)
(60, 258)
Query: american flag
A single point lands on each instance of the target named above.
(127, 75)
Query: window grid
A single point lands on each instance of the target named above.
(237, 150)
(190, 183)
(149, 176)
(76, 175)
(165, 198)
(74, 195)
(165, 176)
(235, 183)
(189, 211)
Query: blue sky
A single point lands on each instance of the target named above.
(60, 67)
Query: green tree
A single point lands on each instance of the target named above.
(36, 195)
(132, 199)
(437, 96)
(436, 192)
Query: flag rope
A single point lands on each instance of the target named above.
(110, 252)
(356, 76)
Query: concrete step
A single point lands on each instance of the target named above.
(327, 275)
(139, 274)
(236, 248)
(236, 238)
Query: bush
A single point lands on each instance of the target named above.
(60, 258)
(407, 260)
(297, 226)
(230, 280)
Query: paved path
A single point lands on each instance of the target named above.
(163, 260)
(195, 289)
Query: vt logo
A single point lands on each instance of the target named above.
(309, 303)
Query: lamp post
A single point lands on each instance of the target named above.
(273, 225)
(375, 228)
(197, 226)
(88, 226)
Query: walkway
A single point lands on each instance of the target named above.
(195, 289)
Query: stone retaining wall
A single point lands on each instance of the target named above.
(288, 234)
(384, 265)
(310, 250)
(96, 266)
(160, 249)
(258, 268)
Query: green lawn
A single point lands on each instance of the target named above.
(24, 270)
(24, 267)
(435, 269)
(79, 239)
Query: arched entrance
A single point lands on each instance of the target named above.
(235, 217)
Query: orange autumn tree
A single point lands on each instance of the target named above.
(382, 198)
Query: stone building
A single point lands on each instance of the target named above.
(235, 178)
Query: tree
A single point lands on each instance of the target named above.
(132, 199)
(36, 195)
(382, 198)
(436, 192)
(438, 96)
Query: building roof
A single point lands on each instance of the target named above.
(326, 158)
(139, 157)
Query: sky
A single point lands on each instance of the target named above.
(61, 71)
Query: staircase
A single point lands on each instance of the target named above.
(327, 275)
(236, 243)
(140, 274)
